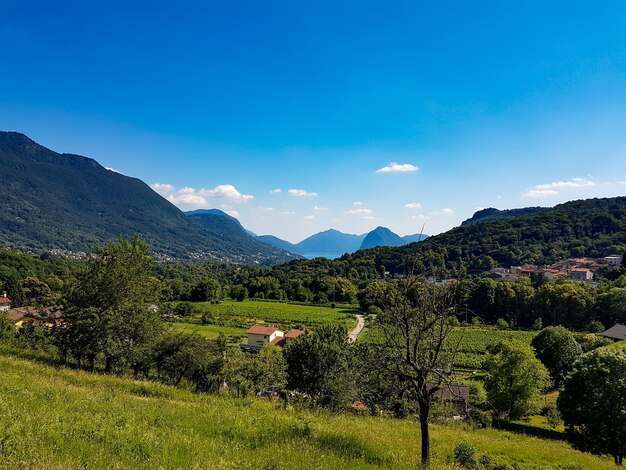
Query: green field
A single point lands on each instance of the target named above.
(63, 419)
(208, 331)
(247, 313)
(472, 343)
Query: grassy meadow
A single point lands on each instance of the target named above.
(53, 418)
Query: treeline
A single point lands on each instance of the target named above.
(527, 304)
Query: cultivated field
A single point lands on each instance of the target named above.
(247, 313)
(472, 343)
(61, 419)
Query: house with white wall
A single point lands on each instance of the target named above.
(5, 302)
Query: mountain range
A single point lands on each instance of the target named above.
(67, 202)
(50, 200)
(333, 243)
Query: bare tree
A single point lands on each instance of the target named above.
(413, 340)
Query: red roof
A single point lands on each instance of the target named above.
(262, 330)
(294, 333)
(5, 300)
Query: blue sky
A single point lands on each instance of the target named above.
(502, 104)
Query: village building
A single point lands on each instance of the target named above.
(5, 302)
(259, 336)
(41, 316)
(456, 394)
(616, 332)
(580, 274)
(613, 260)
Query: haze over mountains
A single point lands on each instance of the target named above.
(333, 243)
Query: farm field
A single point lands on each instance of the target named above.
(73, 419)
(208, 331)
(247, 313)
(472, 343)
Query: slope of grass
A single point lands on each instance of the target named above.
(60, 419)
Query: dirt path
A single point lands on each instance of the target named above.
(354, 334)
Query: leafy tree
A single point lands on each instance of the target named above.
(35, 291)
(190, 357)
(611, 306)
(207, 290)
(7, 328)
(593, 401)
(514, 379)
(557, 349)
(110, 310)
(319, 364)
(239, 293)
(254, 373)
(410, 340)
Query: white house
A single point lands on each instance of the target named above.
(261, 335)
(613, 260)
(5, 302)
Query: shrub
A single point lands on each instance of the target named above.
(502, 324)
(465, 455)
(537, 324)
(595, 327)
(480, 418)
(374, 310)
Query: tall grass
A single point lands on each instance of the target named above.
(54, 418)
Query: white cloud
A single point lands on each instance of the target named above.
(287, 213)
(538, 193)
(276, 191)
(111, 169)
(309, 217)
(447, 211)
(301, 193)
(552, 189)
(320, 209)
(413, 205)
(360, 211)
(189, 197)
(267, 209)
(369, 217)
(573, 183)
(421, 217)
(233, 213)
(163, 189)
(226, 191)
(394, 167)
(358, 203)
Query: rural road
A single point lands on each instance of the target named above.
(354, 334)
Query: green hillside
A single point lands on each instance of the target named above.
(61, 419)
(50, 200)
(592, 227)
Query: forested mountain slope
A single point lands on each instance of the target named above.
(50, 200)
(592, 227)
